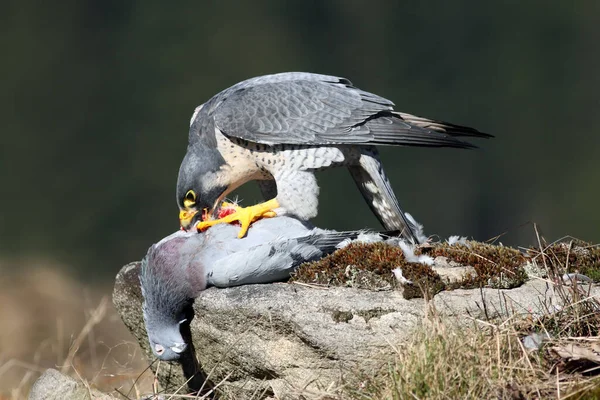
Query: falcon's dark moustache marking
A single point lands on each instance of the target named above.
(198, 163)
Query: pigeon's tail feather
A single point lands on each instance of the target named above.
(327, 242)
(377, 191)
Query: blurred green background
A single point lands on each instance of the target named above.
(97, 96)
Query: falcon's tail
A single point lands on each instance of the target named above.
(396, 128)
(377, 191)
(442, 127)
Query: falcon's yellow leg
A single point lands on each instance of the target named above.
(245, 215)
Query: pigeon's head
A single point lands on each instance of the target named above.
(171, 276)
(167, 343)
(202, 183)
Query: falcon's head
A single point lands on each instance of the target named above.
(200, 185)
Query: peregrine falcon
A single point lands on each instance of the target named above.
(279, 129)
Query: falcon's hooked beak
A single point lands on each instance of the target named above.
(186, 218)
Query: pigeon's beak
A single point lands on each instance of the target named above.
(179, 348)
(186, 218)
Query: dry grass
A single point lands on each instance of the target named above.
(53, 321)
(487, 359)
(481, 362)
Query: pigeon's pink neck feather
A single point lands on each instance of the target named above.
(179, 262)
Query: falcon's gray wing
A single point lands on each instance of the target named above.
(300, 108)
(202, 121)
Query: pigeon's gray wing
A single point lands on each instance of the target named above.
(270, 262)
(263, 257)
(320, 111)
(222, 239)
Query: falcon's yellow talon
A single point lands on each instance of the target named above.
(243, 230)
(245, 215)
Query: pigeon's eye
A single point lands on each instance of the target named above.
(189, 199)
(159, 349)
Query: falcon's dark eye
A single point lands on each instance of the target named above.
(189, 199)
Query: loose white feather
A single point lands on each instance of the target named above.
(410, 256)
(398, 274)
(363, 237)
(455, 239)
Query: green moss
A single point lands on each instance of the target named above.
(495, 266)
(341, 316)
(425, 282)
(374, 313)
(369, 266)
(346, 316)
(594, 274)
(339, 268)
(588, 392)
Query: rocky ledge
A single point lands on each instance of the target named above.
(282, 338)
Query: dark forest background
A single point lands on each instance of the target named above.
(97, 96)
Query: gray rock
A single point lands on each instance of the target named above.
(282, 338)
(53, 385)
(534, 340)
(450, 271)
